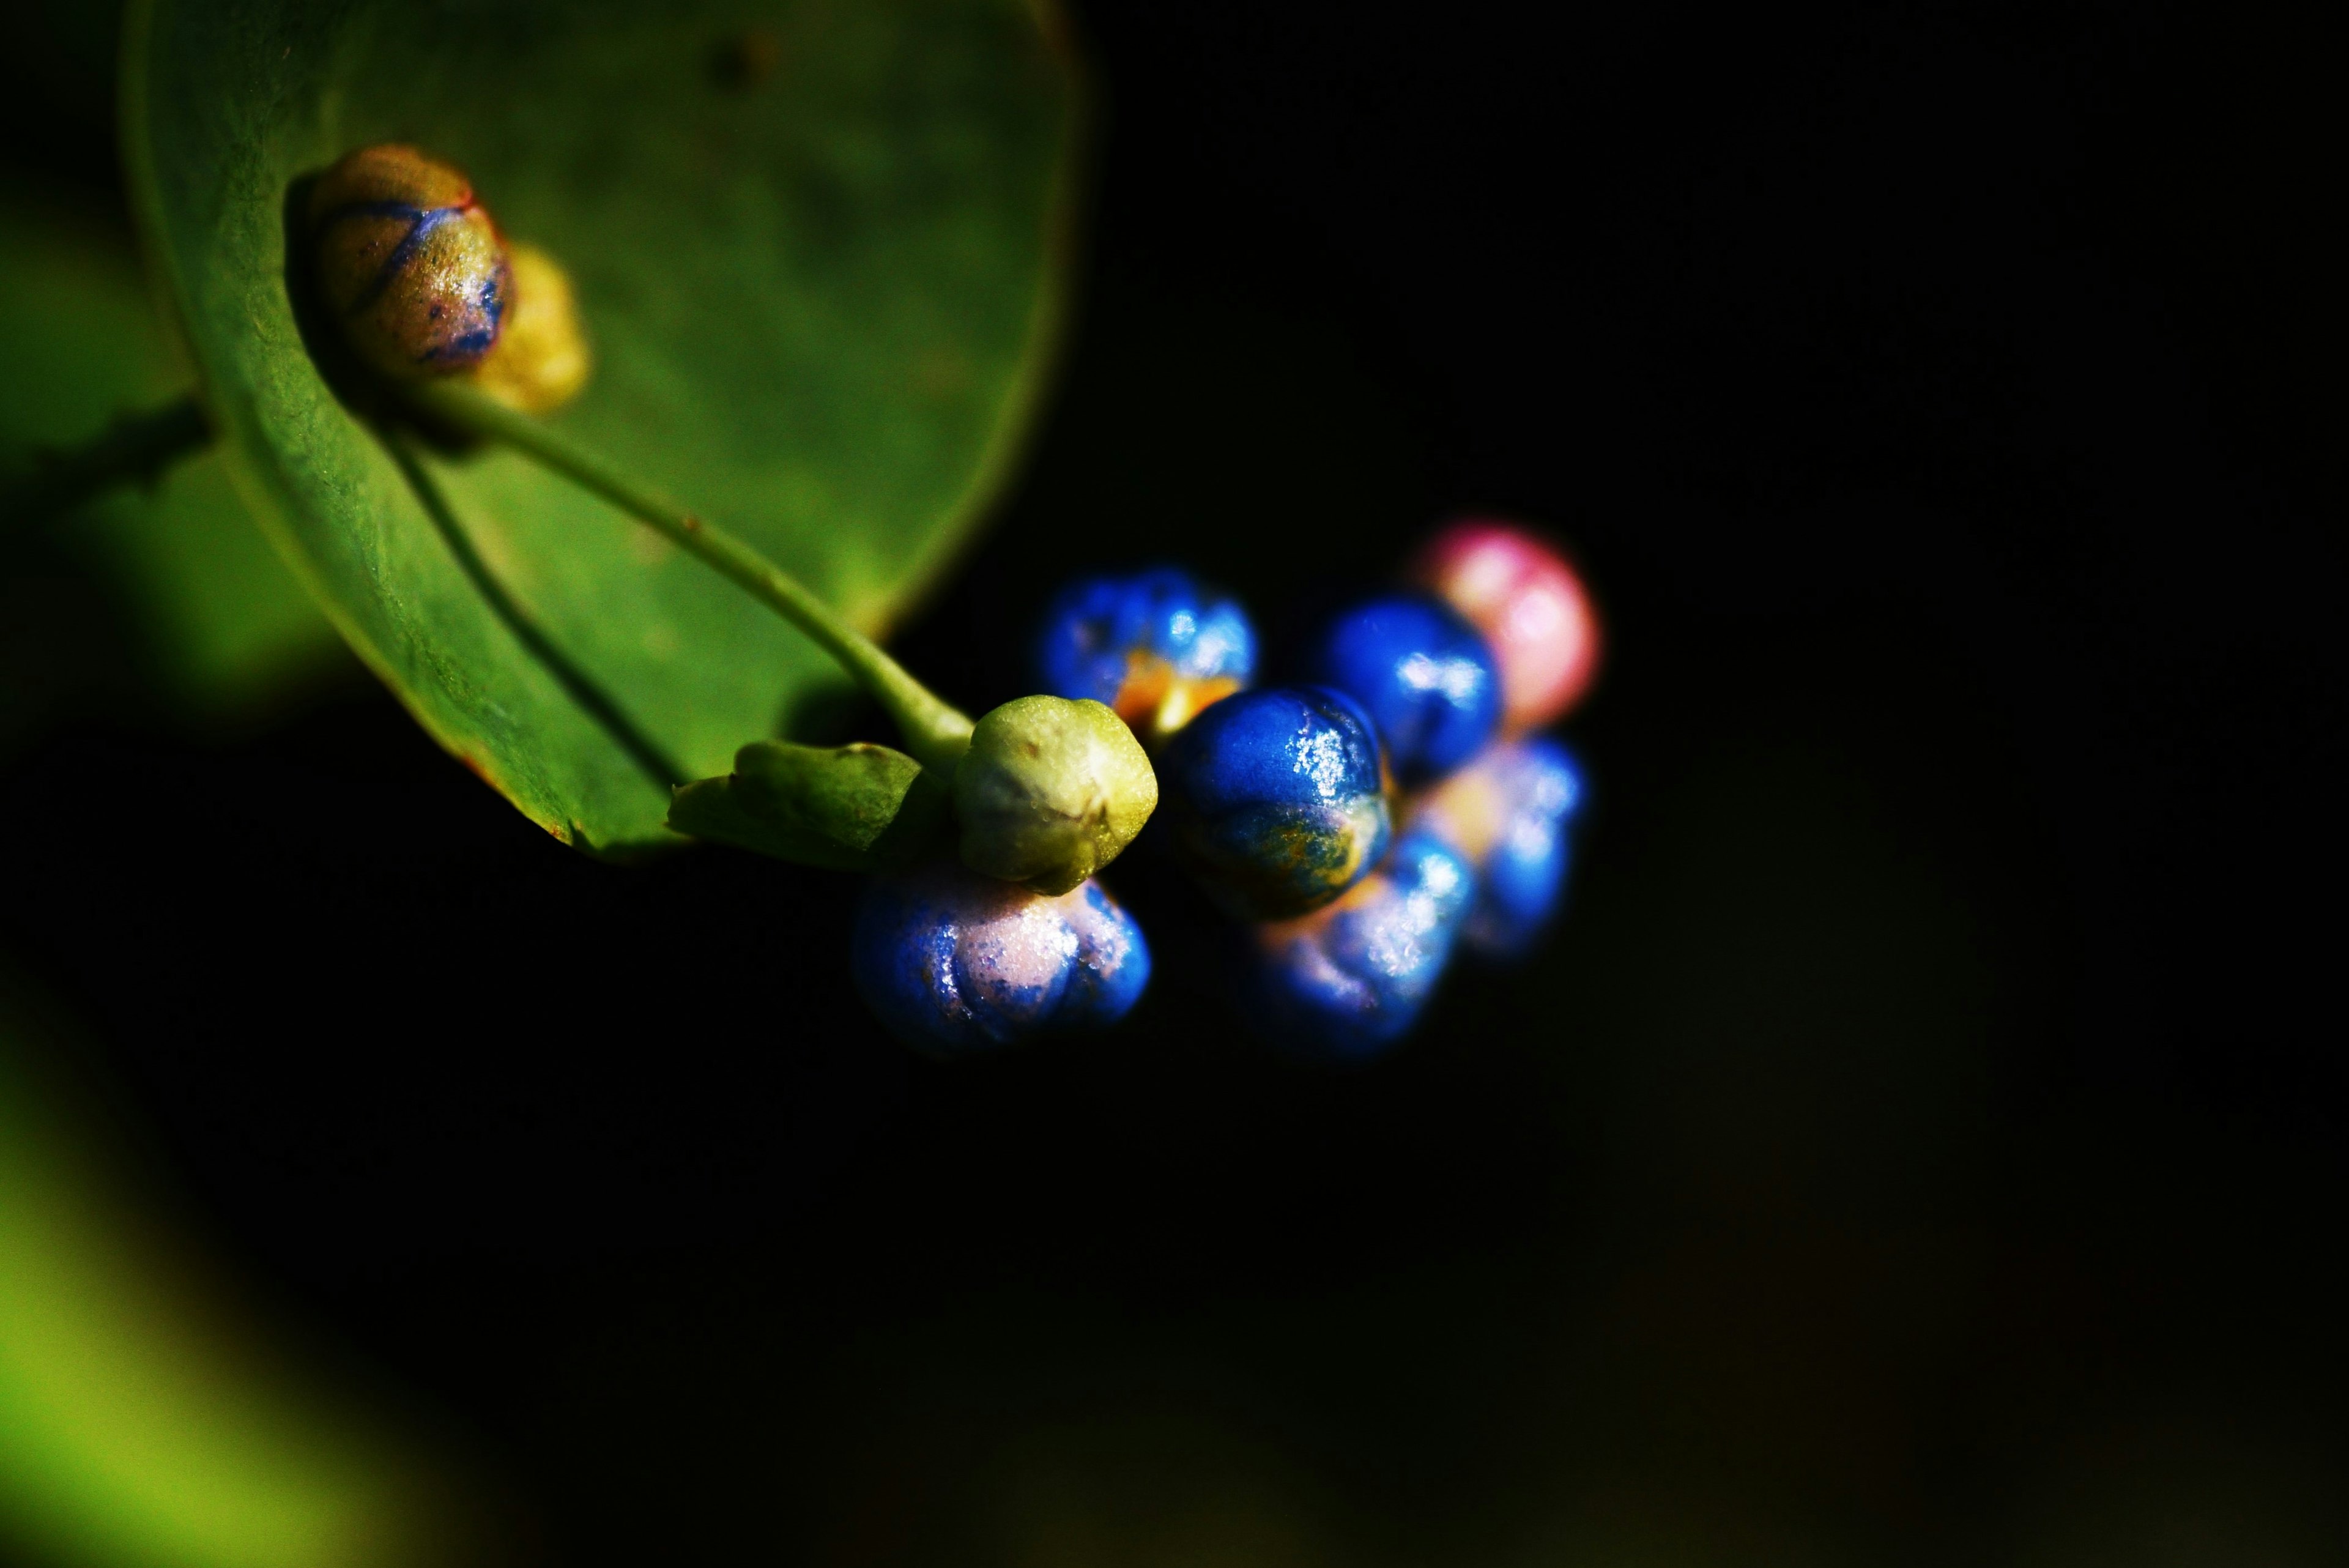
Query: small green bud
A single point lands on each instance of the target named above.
(1050, 790)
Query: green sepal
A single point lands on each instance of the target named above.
(843, 808)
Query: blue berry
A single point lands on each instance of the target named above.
(1507, 814)
(1157, 646)
(1423, 674)
(956, 963)
(1347, 981)
(1274, 799)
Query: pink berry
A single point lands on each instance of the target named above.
(1529, 604)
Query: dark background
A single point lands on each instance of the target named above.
(1927, 1137)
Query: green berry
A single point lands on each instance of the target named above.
(1050, 790)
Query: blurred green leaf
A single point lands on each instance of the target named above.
(225, 626)
(818, 251)
(845, 808)
(146, 1418)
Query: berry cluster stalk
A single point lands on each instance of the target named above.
(936, 734)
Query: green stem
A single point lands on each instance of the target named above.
(936, 734)
(594, 700)
(134, 448)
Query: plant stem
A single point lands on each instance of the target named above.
(134, 447)
(598, 703)
(935, 733)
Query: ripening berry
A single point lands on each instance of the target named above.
(1050, 790)
(407, 262)
(540, 361)
(1506, 813)
(1531, 607)
(955, 963)
(1424, 675)
(1275, 799)
(1155, 646)
(1346, 981)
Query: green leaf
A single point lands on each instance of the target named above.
(817, 247)
(148, 1416)
(225, 627)
(845, 808)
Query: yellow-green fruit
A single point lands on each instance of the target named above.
(541, 360)
(1050, 790)
(408, 262)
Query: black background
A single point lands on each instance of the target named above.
(1926, 1138)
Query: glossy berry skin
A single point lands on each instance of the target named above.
(1347, 981)
(1507, 814)
(957, 964)
(409, 262)
(1157, 646)
(1424, 675)
(1275, 799)
(1530, 604)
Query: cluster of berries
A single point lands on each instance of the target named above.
(1359, 828)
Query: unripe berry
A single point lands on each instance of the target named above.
(1277, 799)
(1531, 607)
(1157, 646)
(955, 963)
(1050, 790)
(1347, 981)
(1424, 675)
(407, 262)
(540, 361)
(1506, 814)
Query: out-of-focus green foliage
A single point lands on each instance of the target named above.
(143, 1420)
(224, 628)
(817, 249)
